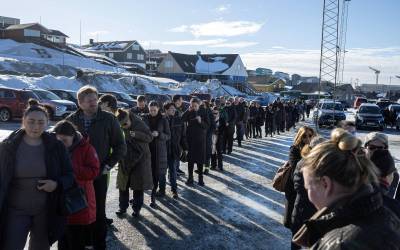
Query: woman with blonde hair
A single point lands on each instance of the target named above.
(302, 138)
(338, 177)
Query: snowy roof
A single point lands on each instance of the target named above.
(27, 25)
(110, 46)
(204, 63)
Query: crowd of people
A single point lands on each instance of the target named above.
(340, 191)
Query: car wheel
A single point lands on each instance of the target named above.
(5, 115)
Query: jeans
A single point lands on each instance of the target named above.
(172, 176)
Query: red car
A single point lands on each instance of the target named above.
(13, 102)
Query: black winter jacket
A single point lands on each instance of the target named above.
(178, 142)
(105, 135)
(359, 221)
(59, 169)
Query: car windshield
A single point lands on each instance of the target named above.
(370, 110)
(125, 96)
(28, 94)
(46, 95)
(332, 106)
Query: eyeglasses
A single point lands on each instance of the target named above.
(373, 147)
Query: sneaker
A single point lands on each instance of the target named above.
(135, 213)
(121, 212)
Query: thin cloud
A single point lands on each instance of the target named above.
(234, 45)
(223, 8)
(220, 28)
(195, 42)
(98, 33)
(306, 62)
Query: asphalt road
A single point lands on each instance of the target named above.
(237, 209)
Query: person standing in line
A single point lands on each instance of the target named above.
(252, 119)
(109, 103)
(340, 181)
(134, 169)
(269, 120)
(141, 108)
(178, 101)
(217, 141)
(86, 166)
(197, 125)
(161, 133)
(35, 170)
(302, 138)
(230, 126)
(106, 137)
(239, 108)
(176, 145)
(260, 119)
(207, 109)
(246, 115)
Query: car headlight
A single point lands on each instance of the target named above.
(61, 108)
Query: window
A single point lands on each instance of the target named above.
(111, 55)
(6, 94)
(140, 57)
(28, 32)
(135, 47)
(129, 56)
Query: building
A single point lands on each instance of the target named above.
(263, 72)
(33, 31)
(251, 72)
(228, 68)
(8, 21)
(296, 79)
(378, 88)
(127, 53)
(154, 58)
(282, 75)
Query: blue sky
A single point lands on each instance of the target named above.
(278, 34)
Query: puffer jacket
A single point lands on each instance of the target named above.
(59, 169)
(359, 221)
(86, 166)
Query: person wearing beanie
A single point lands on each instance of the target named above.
(374, 141)
(383, 160)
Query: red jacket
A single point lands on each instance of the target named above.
(86, 166)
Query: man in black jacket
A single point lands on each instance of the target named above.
(106, 137)
(229, 126)
(175, 146)
(239, 108)
(141, 108)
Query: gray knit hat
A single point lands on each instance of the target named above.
(376, 136)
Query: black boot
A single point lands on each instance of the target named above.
(153, 199)
(189, 181)
(201, 182)
(121, 212)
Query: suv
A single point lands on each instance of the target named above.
(58, 108)
(369, 115)
(13, 102)
(122, 97)
(329, 113)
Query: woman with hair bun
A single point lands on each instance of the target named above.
(339, 180)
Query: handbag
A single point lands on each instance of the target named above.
(281, 177)
(73, 200)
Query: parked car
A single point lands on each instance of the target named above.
(382, 104)
(69, 95)
(393, 113)
(358, 101)
(201, 96)
(58, 108)
(161, 99)
(13, 102)
(122, 97)
(329, 113)
(369, 116)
